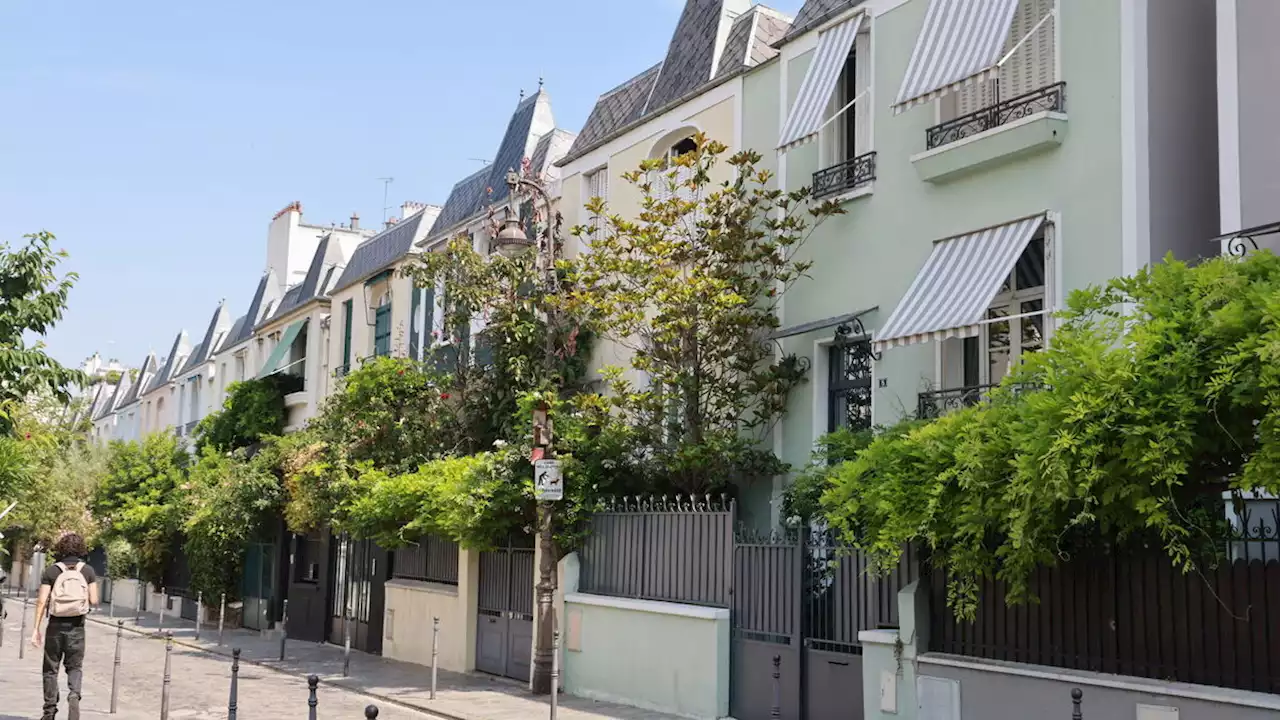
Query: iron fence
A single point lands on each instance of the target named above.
(661, 548)
(1136, 613)
(1048, 98)
(432, 559)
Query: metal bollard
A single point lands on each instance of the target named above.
(435, 653)
(555, 672)
(164, 605)
(235, 676)
(137, 607)
(346, 645)
(312, 683)
(1076, 697)
(284, 628)
(115, 666)
(199, 611)
(776, 710)
(164, 689)
(222, 613)
(112, 603)
(371, 712)
(4, 615)
(22, 634)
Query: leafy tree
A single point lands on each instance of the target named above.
(691, 288)
(1157, 394)
(140, 500)
(230, 498)
(34, 301)
(59, 495)
(253, 410)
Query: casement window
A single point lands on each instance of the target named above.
(240, 365)
(382, 328)
(847, 134)
(1031, 66)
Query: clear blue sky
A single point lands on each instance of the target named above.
(157, 139)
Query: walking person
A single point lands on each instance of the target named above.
(67, 590)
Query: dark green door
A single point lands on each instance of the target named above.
(257, 587)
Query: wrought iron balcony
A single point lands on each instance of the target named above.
(1048, 98)
(846, 176)
(936, 403)
(189, 428)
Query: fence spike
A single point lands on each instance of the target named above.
(1076, 697)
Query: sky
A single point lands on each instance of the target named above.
(157, 139)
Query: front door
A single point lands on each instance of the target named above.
(504, 637)
(257, 587)
(360, 570)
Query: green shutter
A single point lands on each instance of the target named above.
(382, 331)
(346, 337)
(415, 334)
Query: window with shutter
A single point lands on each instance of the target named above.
(1031, 67)
(598, 187)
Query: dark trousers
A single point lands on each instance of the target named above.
(63, 645)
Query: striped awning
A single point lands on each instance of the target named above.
(805, 118)
(281, 349)
(960, 43)
(950, 295)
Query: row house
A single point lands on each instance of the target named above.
(990, 157)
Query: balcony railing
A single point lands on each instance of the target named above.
(936, 403)
(848, 175)
(189, 428)
(1048, 98)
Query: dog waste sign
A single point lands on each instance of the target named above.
(547, 480)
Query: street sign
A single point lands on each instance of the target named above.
(548, 481)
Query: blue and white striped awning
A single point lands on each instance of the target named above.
(950, 295)
(961, 42)
(805, 118)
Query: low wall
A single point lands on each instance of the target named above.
(664, 657)
(411, 607)
(124, 593)
(902, 683)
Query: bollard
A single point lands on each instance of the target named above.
(284, 628)
(22, 634)
(164, 689)
(235, 673)
(776, 710)
(164, 605)
(1076, 697)
(555, 671)
(435, 653)
(312, 682)
(346, 645)
(4, 615)
(115, 666)
(199, 611)
(222, 612)
(112, 603)
(371, 712)
(137, 607)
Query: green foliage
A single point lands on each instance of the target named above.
(17, 470)
(229, 500)
(801, 501)
(691, 288)
(139, 498)
(60, 493)
(122, 559)
(1157, 394)
(253, 410)
(34, 301)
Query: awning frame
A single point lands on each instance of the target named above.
(804, 119)
(1235, 240)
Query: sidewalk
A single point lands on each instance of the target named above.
(459, 696)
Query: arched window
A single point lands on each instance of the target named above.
(671, 146)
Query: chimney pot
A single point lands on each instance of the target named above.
(391, 221)
(355, 221)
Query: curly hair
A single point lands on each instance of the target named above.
(70, 545)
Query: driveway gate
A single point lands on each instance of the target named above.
(504, 636)
(361, 569)
(803, 599)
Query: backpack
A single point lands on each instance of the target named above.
(70, 594)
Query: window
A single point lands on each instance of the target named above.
(598, 187)
(240, 363)
(346, 337)
(847, 135)
(1031, 67)
(382, 328)
(849, 385)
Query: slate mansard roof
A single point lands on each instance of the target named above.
(813, 14)
(382, 250)
(686, 70)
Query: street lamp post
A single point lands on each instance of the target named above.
(513, 240)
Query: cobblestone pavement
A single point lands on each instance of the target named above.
(270, 688)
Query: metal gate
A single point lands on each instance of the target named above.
(803, 599)
(504, 636)
(177, 583)
(359, 594)
(257, 585)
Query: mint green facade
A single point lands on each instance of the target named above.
(1072, 165)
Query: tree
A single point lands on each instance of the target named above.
(140, 500)
(1157, 395)
(34, 300)
(691, 288)
(253, 410)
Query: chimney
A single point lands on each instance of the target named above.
(355, 221)
(390, 222)
(410, 207)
